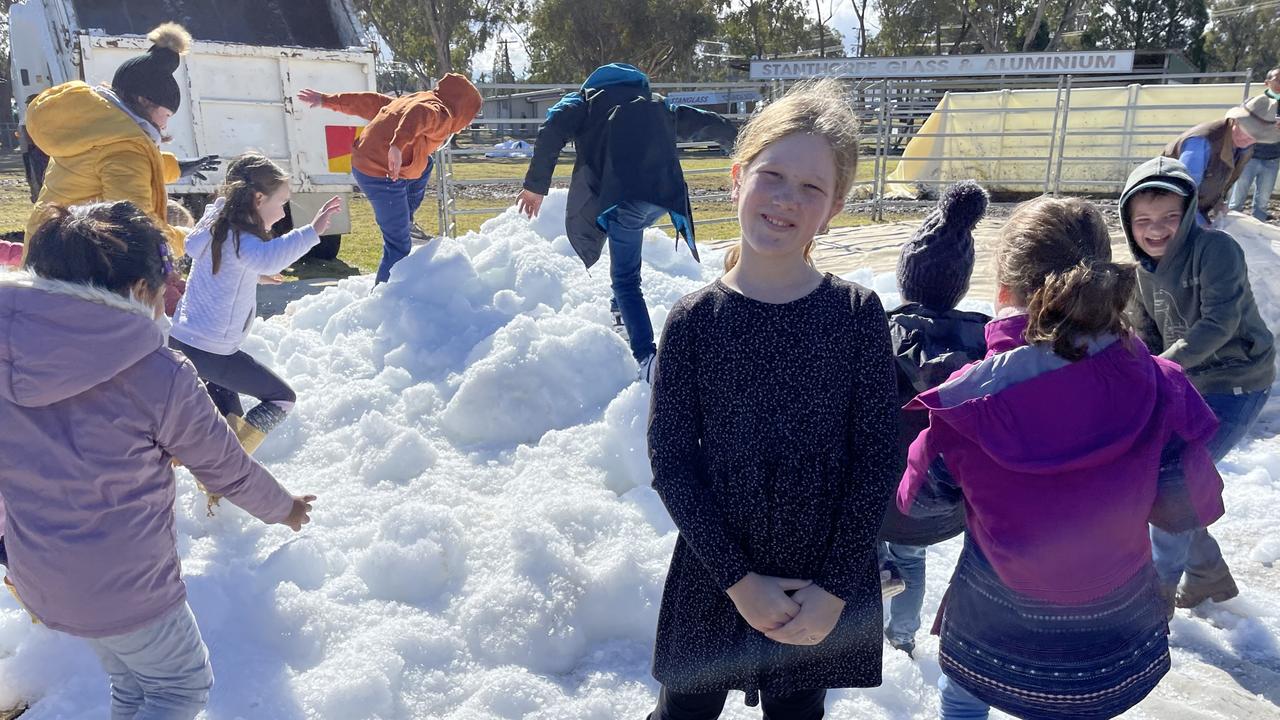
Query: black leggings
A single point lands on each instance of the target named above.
(226, 377)
(804, 705)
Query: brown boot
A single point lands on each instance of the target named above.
(250, 438)
(1190, 594)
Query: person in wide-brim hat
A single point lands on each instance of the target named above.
(1258, 117)
(1215, 153)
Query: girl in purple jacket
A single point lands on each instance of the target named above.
(95, 408)
(1064, 442)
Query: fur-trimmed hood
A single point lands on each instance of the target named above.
(59, 339)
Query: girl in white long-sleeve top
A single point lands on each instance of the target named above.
(232, 251)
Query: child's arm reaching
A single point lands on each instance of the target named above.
(1144, 325)
(562, 124)
(361, 104)
(1224, 280)
(1189, 488)
(192, 431)
(273, 256)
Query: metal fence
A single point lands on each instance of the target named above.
(891, 112)
(493, 128)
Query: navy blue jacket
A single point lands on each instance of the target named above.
(928, 346)
(625, 138)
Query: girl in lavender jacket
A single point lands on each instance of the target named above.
(1064, 442)
(95, 407)
(231, 251)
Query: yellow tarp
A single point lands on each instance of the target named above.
(1095, 156)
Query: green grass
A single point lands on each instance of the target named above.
(362, 247)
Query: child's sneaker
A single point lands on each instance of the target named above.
(906, 646)
(890, 585)
(618, 325)
(645, 371)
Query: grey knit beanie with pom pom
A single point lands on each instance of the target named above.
(935, 265)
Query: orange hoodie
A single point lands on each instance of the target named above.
(418, 123)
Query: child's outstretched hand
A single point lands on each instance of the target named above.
(301, 513)
(313, 98)
(762, 600)
(325, 215)
(819, 612)
(529, 203)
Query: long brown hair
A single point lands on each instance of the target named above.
(821, 108)
(247, 175)
(1054, 254)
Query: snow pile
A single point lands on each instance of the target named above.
(485, 543)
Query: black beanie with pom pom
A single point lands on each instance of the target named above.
(150, 75)
(936, 264)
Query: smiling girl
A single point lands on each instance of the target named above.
(232, 251)
(772, 440)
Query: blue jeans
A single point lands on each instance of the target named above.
(626, 238)
(158, 672)
(904, 608)
(1260, 177)
(394, 204)
(1195, 552)
(960, 704)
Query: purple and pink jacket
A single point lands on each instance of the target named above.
(1061, 466)
(94, 407)
(1077, 447)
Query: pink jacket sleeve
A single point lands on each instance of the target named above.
(920, 487)
(1189, 488)
(194, 433)
(10, 254)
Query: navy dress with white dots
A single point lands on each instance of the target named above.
(772, 437)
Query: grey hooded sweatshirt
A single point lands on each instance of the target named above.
(1194, 306)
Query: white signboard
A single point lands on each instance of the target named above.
(1047, 63)
(715, 97)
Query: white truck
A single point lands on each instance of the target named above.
(239, 81)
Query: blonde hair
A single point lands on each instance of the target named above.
(177, 214)
(1054, 254)
(822, 108)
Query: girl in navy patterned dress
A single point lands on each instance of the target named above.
(772, 441)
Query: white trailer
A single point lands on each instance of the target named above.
(236, 96)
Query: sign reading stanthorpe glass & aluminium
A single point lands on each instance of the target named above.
(1047, 63)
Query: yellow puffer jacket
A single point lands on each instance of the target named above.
(97, 152)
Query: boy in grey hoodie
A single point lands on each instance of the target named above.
(1194, 306)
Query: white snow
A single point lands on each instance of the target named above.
(485, 543)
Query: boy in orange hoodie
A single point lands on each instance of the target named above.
(391, 160)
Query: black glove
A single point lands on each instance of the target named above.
(197, 167)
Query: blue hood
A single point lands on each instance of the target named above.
(616, 74)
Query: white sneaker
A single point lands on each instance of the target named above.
(645, 371)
